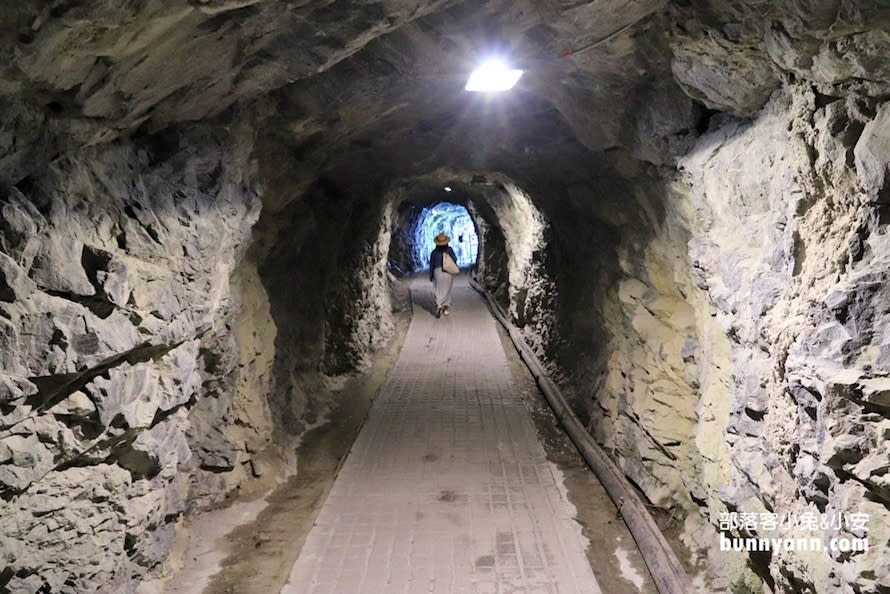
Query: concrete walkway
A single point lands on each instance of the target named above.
(447, 488)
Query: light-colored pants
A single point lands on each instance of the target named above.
(443, 282)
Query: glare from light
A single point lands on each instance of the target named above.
(447, 188)
(493, 76)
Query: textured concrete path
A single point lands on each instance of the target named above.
(447, 488)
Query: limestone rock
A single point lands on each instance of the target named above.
(14, 388)
(734, 79)
(75, 546)
(98, 373)
(54, 269)
(872, 154)
(130, 391)
(24, 461)
(77, 404)
(216, 452)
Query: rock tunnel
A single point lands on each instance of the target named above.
(211, 213)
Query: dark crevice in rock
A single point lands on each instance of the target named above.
(799, 253)
(703, 119)
(130, 544)
(149, 228)
(867, 106)
(759, 562)
(857, 245)
(121, 240)
(26, 185)
(811, 412)
(82, 460)
(212, 360)
(852, 134)
(6, 293)
(871, 407)
(94, 261)
(164, 414)
(877, 493)
(99, 306)
(219, 468)
(62, 7)
(822, 100)
(89, 426)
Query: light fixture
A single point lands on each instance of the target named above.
(492, 76)
(447, 188)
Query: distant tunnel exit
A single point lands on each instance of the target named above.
(454, 221)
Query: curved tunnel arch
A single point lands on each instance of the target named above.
(514, 254)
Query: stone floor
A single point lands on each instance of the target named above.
(447, 488)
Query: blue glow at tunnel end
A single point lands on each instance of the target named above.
(456, 223)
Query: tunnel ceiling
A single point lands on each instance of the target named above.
(374, 89)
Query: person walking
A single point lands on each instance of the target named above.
(441, 280)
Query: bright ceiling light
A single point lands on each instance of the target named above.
(493, 76)
(447, 188)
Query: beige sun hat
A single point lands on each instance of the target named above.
(441, 239)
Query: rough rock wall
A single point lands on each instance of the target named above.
(120, 372)
(359, 309)
(662, 404)
(747, 346)
(530, 287)
(801, 300)
(331, 300)
(731, 56)
(491, 263)
(402, 259)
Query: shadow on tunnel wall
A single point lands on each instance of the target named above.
(328, 296)
(590, 221)
(491, 263)
(402, 260)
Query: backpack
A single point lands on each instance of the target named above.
(448, 264)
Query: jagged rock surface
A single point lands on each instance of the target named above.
(747, 372)
(118, 264)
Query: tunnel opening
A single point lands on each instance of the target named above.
(454, 221)
(414, 223)
(497, 230)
